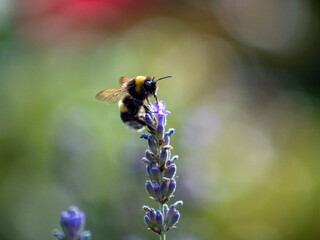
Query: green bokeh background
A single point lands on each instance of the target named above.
(244, 100)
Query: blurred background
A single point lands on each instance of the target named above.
(244, 100)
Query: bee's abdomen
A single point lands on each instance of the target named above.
(129, 114)
(122, 107)
(131, 122)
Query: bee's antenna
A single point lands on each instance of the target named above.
(163, 78)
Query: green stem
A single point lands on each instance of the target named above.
(163, 234)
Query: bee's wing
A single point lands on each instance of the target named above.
(111, 96)
(123, 81)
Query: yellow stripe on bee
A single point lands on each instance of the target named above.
(139, 82)
(122, 107)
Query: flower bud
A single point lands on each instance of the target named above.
(165, 187)
(159, 219)
(146, 208)
(157, 191)
(165, 210)
(173, 219)
(152, 214)
(148, 222)
(172, 209)
(170, 132)
(170, 213)
(146, 161)
(148, 170)
(177, 204)
(149, 155)
(72, 222)
(145, 136)
(149, 189)
(155, 174)
(169, 155)
(171, 171)
(160, 131)
(163, 158)
(166, 140)
(149, 120)
(172, 187)
(152, 145)
(174, 158)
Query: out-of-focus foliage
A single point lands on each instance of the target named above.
(245, 104)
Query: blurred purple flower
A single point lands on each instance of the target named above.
(72, 223)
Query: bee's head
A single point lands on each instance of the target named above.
(151, 86)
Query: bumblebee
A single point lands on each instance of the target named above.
(131, 96)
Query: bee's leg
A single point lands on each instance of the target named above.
(151, 129)
(146, 109)
(148, 101)
(141, 121)
(155, 96)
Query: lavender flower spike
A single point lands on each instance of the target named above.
(72, 223)
(161, 170)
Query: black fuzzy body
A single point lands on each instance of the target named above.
(131, 110)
